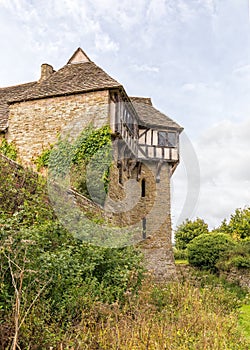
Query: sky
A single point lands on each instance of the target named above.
(192, 57)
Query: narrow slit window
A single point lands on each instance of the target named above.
(143, 188)
(144, 228)
(120, 175)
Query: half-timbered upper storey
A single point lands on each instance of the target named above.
(158, 137)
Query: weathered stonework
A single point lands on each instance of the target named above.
(153, 209)
(35, 125)
(240, 276)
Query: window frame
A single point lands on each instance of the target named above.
(166, 139)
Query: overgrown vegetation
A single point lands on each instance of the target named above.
(206, 250)
(48, 278)
(8, 149)
(88, 161)
(60, 293)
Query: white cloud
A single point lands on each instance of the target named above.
(156, 10)
(242, 71)
(103, 43)
(145, 68)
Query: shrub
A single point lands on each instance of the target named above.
(238, 256)
(206, 250)
(241, 262)
(180, 254)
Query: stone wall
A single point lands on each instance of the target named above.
(34, 125)
(131, 209)
(240, 276)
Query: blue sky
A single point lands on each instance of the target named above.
(192, 57)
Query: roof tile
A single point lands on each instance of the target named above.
(150, 116)
(70, 79)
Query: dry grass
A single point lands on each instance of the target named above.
(176, 317)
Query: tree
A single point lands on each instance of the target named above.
(239, 224)
(188, 230)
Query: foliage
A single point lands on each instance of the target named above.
(180, 254)
(86, 162)
(244, 318)
(42, 161)
(91, 163)
(187, 231)
(70, 274)
(239, 224)
(173, 316)
(47, 277)
(205, 250)
(90, 142)
(23, 193)
(60, 159)
(236, 257)
(8, 149)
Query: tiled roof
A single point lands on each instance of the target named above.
(150, 116)
(78, 77)
(70, 79)
(7, 94)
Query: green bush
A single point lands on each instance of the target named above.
(205, 250)
(241, 262)
(61, 275)
(180, 254)
(65, 275)
(187, 231)
(238, 256)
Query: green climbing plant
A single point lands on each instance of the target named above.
(42, 161)
(90, 153)
(8, 149)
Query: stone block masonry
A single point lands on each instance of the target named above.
(35, 125)
(151, 211)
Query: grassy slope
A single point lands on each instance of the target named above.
(179, 316)
(244, 320)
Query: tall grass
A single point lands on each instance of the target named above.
(244, 320)
(178, 316)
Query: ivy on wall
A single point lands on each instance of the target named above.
(91, 162)
(92, 145)
(42, 161)
(8, 149)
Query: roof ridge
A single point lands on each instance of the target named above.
(79, 56)
(70, 79)
(17, 85)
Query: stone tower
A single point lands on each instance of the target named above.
(148, 153)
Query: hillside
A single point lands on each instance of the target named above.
(60, 293)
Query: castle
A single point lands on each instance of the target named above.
(32, 116)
